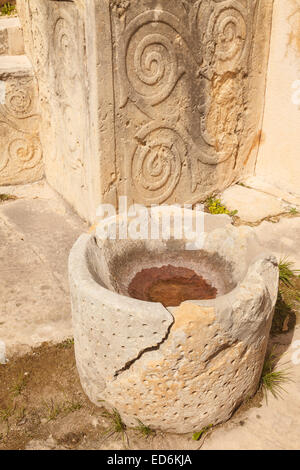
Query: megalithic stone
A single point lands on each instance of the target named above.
(158, 100)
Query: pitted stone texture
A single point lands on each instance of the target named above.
(121, 327)
(159, 101)
(21, 150)
(209, 354)
(11, 37)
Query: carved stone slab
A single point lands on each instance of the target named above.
(20, 147)
(159, 100)
(186, 118)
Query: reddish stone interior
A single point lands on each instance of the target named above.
(170, 285)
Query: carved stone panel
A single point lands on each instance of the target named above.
(20, 147)
(184, 75)
(159, 100)
(55, 40)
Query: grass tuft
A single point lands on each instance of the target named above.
(53, 410)
(66, 344)
(7, 9)
(6, 413)
(197, 435)
(117, 425)
(19, 385)
(71, 406)
(116, 420)
(286, 272)
(144, 430)
(272, 380)
(7, 197)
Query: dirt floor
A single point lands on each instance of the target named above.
(42, 406)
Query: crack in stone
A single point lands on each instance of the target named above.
(148, 349)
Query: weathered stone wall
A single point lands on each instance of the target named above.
(278, 159)
(158, 100)
(55, 41)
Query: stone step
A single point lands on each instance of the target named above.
(11, 37)
(15, 65)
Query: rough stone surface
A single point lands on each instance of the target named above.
(20, 146)
(37, 231)
(272, 424)
(278, 159)
(11, 37)
(252, 205)
(167, 98)
(181, 368)
(54, 35)
(260, 184)
(282, 238)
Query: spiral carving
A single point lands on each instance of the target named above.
(227, 26)
(156, 165)
(61, 35)
(66, 53)
(154, 65)
(150, 61)
(27, 151)
(19, 101)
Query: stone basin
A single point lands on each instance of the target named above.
(176, 367)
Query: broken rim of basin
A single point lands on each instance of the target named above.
(94, 288)
(126, 346)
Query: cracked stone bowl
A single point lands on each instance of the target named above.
(178, 367)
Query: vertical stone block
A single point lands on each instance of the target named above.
(188, 94)
(278, 163)
(159, 101)
(55, 41)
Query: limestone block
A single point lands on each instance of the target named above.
(283, 238)
(11, 37)
(21, 151)
(54, 35)
(177, 368)
(188, 99)
(159, 101)
(252, 205)
(278, 160)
